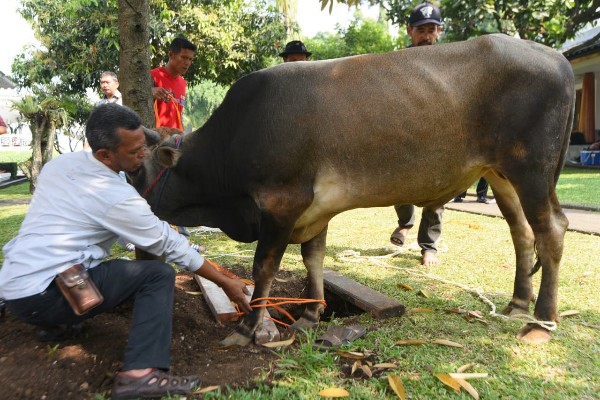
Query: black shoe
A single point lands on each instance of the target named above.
(59, 333)
(458, 199)
(482, 200)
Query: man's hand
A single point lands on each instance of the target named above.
(159, 93)
(235, 289)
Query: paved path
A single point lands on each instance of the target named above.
(585, 221)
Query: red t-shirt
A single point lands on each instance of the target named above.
(169, 112)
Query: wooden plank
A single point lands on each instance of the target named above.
(224, 311)
(373, 302)
(217, 300)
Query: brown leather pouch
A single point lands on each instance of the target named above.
(79, 290)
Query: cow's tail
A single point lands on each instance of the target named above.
(565, 143)
(559, 167)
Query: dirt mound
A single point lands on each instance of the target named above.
(81, 367)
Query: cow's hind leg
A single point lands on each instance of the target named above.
(313, 254)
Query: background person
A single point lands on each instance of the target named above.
(169, 89)
(295, 51)
(80, 207)
(424, 28)
(3, 127)
(109, 83)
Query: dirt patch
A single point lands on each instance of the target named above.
(81, 367)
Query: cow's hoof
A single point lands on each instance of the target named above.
(304, 324)
(534, 334)
(236, 339)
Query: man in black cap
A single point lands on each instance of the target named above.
(424, 28)
(295, 51)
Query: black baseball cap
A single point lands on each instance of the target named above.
(295, 47)
(425, 13)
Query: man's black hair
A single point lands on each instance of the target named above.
(103, 123)
(180, 43)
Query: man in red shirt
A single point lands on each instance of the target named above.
(169, 86)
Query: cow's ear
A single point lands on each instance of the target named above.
(152, 137)
(167, 156)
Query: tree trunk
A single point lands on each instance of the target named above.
(134, 65)
(37, 131)
(50, 138)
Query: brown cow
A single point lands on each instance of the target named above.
(293, 145)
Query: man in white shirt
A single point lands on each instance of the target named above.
(109, 83)
(79, 209)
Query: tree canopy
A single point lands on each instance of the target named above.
(80, 39)
(550, 22)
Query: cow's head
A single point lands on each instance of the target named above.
(163, 154)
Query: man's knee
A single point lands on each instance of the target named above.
(161, 270)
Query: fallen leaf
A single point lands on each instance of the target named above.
(405, 286)
(366, 370)
(334, 392)
(421, 310)
(355, 366)
(410, 342)
(445, 342)
(194, 293)
(468, 375)
(281, 343)
(449, 381)
(397, 386)
(455, 310)
(384, 365)
(424, 293)
(206, 389)
(352, 355)
(569, 313)
(465, 367)
(468, 387)
(475, 314)
(282, 280)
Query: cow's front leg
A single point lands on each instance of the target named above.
(273, 239)
(313, 254)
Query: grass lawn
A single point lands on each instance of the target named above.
(476, 252)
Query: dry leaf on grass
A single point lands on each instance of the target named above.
(352, 355)
(194, 293)
(281, 343)
(455, 310)
(449, 381)
(445, 342)
(421, 310)
(410, 342)
(468, 387)
(334, 392)
(467, 375)
(355, 366)
(385, 365)
(397, 386)
(569, 313)
(465, 367)
(206, 389)
(404, 286)
(366, 370)
(424, 293)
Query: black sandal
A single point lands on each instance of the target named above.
(154, 385)
(397, 237)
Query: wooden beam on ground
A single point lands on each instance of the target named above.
(365, 298)
(217, 300)
(224, 311)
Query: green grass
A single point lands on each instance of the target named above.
(476, 251)
(15, 156)
(579, 186)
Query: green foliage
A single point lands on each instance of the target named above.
(550, 22)
(202, 100)
(80, 39)
(363, 35)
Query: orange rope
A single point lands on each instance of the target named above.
(174, 102)
(268, 300)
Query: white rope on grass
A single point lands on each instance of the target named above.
(354, 256)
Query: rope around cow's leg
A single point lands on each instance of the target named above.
(354, 256)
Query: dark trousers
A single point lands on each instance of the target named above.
(481, 189)
(150, 284)
(430, 227)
